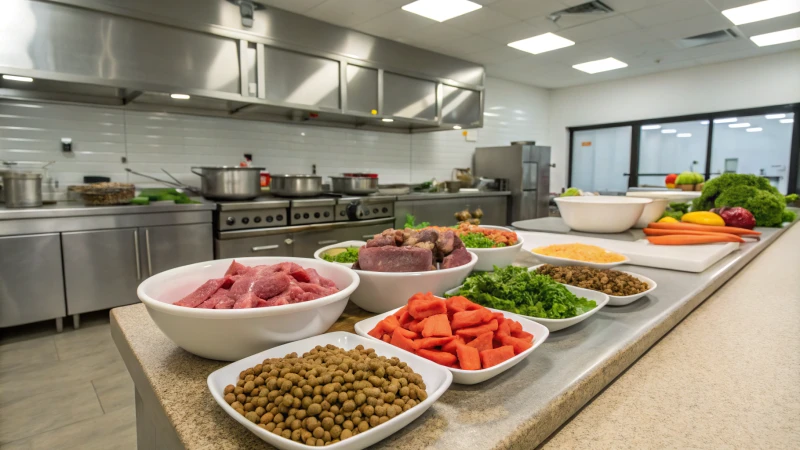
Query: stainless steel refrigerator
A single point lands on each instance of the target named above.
(527, 168)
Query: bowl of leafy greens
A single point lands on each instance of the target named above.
(537, 297)
(490, 252)
(342, 253)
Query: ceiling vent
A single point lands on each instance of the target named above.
(594, 7)
(714, 37)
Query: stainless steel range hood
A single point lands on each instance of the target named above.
(134, 53)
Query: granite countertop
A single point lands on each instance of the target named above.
(523, 406)
(77, 209)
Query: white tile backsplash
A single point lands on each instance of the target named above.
(154, 141)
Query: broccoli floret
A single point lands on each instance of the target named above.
(714, 187)
(674, 214)
(788, 216)
(766, 207)
(682, 207)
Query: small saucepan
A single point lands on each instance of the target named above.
(354, 185)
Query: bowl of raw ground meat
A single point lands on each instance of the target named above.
(228, 309)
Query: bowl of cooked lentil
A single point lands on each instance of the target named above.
(622, 288)
(577, 254)
(338, 390)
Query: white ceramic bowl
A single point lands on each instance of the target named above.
(559, 324)
(384, 291)
(652, 212)
(230, 334)
(622, 300)
(345, 244)
(574, 262)
(500, 257)
(602, 213)
(460, 376)
(437, 379)
(671, 195)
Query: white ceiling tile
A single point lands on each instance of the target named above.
(481, 20)
(433, 36)
(526, 65)
(761, 51)
(525, 9)
(516, 32)
(598, 29)
(573, 20)
(626, 6)
(351, 12)
(298, 6)
(770, 25)
(495, 55)
(465, 46)
(670, 12)
(728, 4)
(691, 27)
(395, 24)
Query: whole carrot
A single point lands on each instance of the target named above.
(657, 232)
(696, 227)
(687, 239)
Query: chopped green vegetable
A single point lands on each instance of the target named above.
(571, 192)
(350, 255)
(680, 206)
(410, 223)
(479, 240)
(516, 290)
(751, 192)
(140, 201)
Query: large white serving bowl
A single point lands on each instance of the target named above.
(500, 257)
(652, 212)
(622, 300)
(602, 213)
(345, 244)
(384, 291)
(460, 376)
(231, 334)
(437, 379)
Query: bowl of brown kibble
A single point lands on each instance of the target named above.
(337, 390)
(622, 288)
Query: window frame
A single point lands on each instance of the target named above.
(633, 178)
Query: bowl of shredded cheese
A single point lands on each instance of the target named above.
(579, 255)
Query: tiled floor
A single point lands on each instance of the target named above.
(64, 390)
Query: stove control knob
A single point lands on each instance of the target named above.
(385, 210)
(316, 215)
(366, 212)
(245, 220)
(297, 216)
(279, 217)
(306, 216)
(230, 221)
(257, 219)
(375, 210)
(269, 219)
(326, 214)
(342, 213)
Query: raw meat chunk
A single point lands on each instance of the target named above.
(247, 300)
(212, 301)
(300, 275)
(236, 269)
(202, 293)
(313, 276)
(225, 304)
(327, 283)
(457, 258)
(270, 285)
(316, 289)
(381, 241)
(395, 259)
(445, 243)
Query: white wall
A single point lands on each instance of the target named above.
(152, 141)
(746, 83)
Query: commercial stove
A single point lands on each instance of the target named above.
(272, 226)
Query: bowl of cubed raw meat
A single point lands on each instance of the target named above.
(396, 264)
(228, 309)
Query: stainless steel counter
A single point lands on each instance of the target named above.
(79, 210)
(444, 195)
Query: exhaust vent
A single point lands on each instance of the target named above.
(594, 7)
(700, 40)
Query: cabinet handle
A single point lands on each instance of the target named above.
(289, 241)
(264, 247)
(136, 252)
(330, 241)
(367, 236)
(147, 247)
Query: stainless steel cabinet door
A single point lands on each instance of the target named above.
(164, 248)
(272, 245)
(31, 284)
(101, 268)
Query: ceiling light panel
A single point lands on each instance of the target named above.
(601, 65)
(441, 10)
(786, 121)
(669, 131)
(775, 116)
(778, 37)
(727, 120)
(651, 127)
(754, 130)
(17, 78)
(764, 10)
(541, 43)
(739, 125)
(180, 96)
(703, 122)
(684, 135)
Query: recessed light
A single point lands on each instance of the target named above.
(778, 37)
(488, 114)
(775, 116)
(651, 127)
(739, 125)
(387, 120)
(703, 122)
(684, 135)
(728, 120)
(601, 65)
(456, 127)
(541, 43)
(180, 96)
(669, 131)
(764, 10)
(441, 10)
(17, 78)
(786, 121)
(754, 130)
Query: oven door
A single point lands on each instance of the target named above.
(272, 245)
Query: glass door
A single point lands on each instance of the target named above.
(671, 148)
(758, 145)
(601, 158)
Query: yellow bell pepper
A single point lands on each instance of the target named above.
(668, 220)
(703, 218)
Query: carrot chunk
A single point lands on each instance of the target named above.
(405, 318)
(386, 338)
(417, 326)
(496, 356)
(519, 345)
(466, 319)
(432, 342)
(482, 342)
(459, 304)
(376, 332)
(399, 340)
(443, 358)
(400, 312)
(437, 325)
(407, 333)
(451, 346)
(421, 306)
(524, 335)
(504, 329)
(515, 326)
(477, 331)
(389, 324)
(468, 357)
